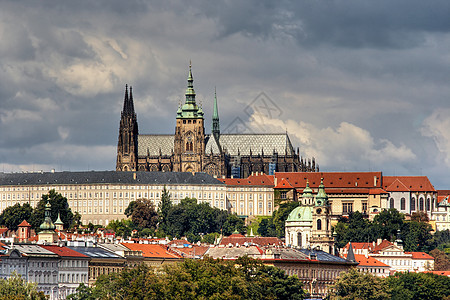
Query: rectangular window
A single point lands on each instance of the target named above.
(347, 208)
(364, 207)
(283, 195)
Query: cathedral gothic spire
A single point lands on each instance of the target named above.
(128, 134)
(215, 130)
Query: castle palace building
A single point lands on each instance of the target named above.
(191, 150)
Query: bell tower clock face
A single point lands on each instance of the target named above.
(319, 211)
(319, 202)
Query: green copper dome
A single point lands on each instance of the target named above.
(47, 225)
(300, 214)
(321, 197)
(307, 192)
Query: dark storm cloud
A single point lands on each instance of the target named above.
(350, 24)
(359, 83)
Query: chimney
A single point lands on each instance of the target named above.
(379, 241)
(134, 176)
(374, 180)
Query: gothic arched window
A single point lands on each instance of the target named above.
(319, 224)
(391, 203)
(428, 204)
(421, 203)
(413, 204)
(402, 204)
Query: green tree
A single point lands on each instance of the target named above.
(357, 285)
(14, 215)
(423, 286)
(199, 279)
(143, 214)
(122, 228)
(441, 260)
(59, 205)
(417, 236)
(354, 228)
(15, 288)
(387, 222)
(83, 293)
(281, 214)
(419, 216)
(164, 209)
(441, 240)
(233, 223)
(266, 227)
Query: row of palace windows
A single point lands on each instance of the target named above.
(421, 203)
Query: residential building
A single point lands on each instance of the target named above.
(316, 269)
(155, 255)
(441, 214)
(34, 264)
(101, 261)
(73, 269)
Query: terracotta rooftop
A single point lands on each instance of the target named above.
(284, 184)
(151, 250)
(190, 252)
(420, 255)
(407, 183)
(338, 180)
(382, 245)
(24, 224)
(443, 192)
(63, 251)
(368, 261)
(261, 179)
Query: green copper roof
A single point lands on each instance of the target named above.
(58, 221)
(300, 214)
(47, 225)
(190, 109)
(321, 197)
(215, 126)
(307, 192)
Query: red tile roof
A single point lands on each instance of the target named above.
(63, 251)
(24, 224)
(338, 180)
(178, 242)
(191, 251)
(257, 240)
(284, 184)
(368, 261)
(359, 246)
(382, 245)
(443, 192)
(3, 230)
(407, 183)
(441, 198)
(261, 179)
(420, 255)
(151, 250)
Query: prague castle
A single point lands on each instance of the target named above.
(191, 150)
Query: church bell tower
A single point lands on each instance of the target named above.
(189, 143)
(127, 147)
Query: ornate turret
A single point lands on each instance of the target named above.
(307, 196)
(321, 197)
(215, 130)
(58, 223)
(47, 233)
(190, 109)
(48, 223)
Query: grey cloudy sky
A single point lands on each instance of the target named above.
(359, 85)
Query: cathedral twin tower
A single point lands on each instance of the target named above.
(191, 150)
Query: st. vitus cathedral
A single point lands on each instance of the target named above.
(191, 150)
